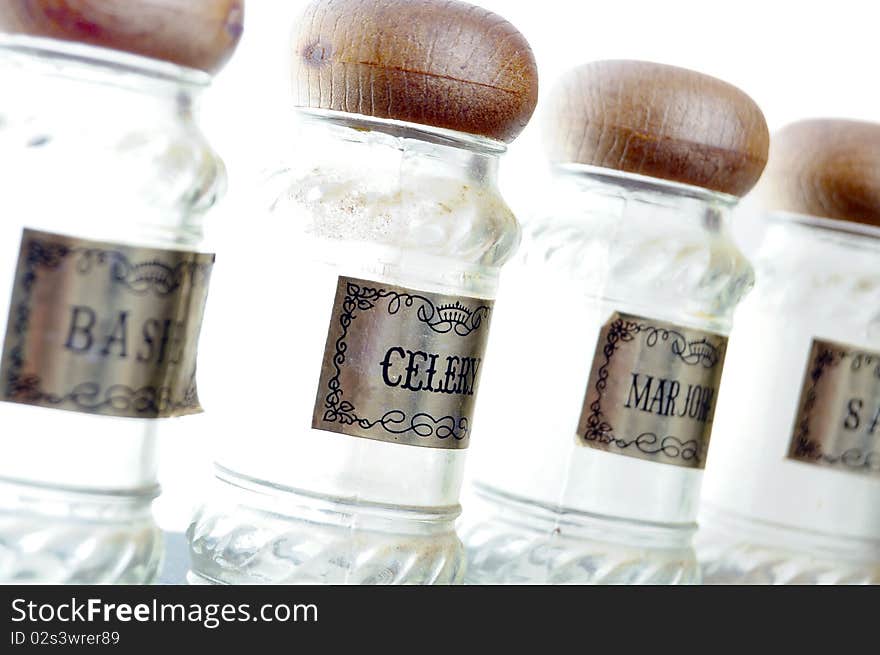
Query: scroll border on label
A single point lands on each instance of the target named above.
(595, 429)
(333, 413)
(41, 250)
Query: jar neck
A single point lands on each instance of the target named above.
(630, 199)
(655, 248)
(399, 149)
(821, 233)
(821, 268)
(422, 201)
(71, 82)
(113, 135)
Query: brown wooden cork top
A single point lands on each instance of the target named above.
(434, 62)
(660, 121)
(199, 34)
(825, 167)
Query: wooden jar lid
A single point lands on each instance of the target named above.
(660, 121)
(199, 34)
(434, 62)
(825, 167)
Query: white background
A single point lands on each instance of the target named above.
(796, 59)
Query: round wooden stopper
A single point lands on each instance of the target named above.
(199, 34)
(825, 167)
(660, 121)
(434, 62)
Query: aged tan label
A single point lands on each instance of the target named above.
(838, 420)
(103, 328)
(652, 391)
(401, 365)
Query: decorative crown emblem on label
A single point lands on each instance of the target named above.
(702, 352)
(455, 314)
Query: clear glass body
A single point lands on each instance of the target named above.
(608, 242)
(99, 145)
(767, 518)
(379, 200)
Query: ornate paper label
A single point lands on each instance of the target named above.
(104, 328)
(652, 391)
(838, 419)
(401, 365)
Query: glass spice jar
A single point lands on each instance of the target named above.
(611, 332)
(388, 235)
(793, 486)
(109, 178)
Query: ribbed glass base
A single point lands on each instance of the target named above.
(257, 533)
(737, 550)
(512, 540)
(66, 536)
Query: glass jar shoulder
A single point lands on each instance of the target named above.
(160, 165)
(101, 141)
(373, 189)
(638, 245)
(818, 267)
